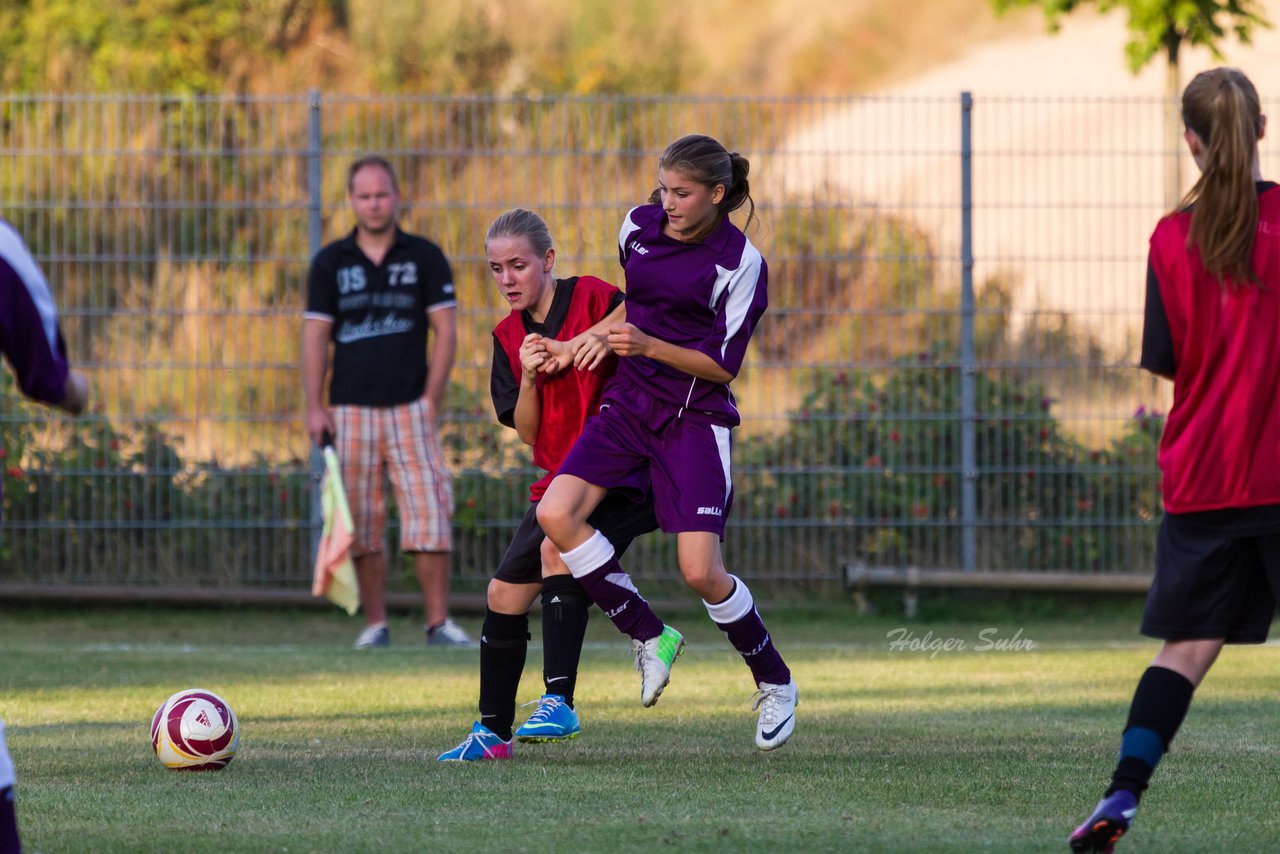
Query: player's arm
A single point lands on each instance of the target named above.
(316, 333)
(626, 340)
(444, 347)
(591, 348)
(1158, 354)
(528, 411)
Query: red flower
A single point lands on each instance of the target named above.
(895, 436)
(781, 511)
(14, 472)
(471, 502)
(4, 455)
(874, 461)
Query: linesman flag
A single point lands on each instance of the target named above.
(335, 573)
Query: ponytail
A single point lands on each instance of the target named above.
(1221, 107)
(739, 192)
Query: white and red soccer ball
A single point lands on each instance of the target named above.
(195, 730)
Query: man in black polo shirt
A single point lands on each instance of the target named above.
(374, 294)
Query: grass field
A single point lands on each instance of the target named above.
(896, 749)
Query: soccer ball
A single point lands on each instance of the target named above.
(195, 730)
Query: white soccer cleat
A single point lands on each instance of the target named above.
(654, 658)
(777, 705)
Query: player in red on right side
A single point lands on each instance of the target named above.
(1212, 323)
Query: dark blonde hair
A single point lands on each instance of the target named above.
(519, 222)
(376, 160)
(1221, 107)
(703, 159)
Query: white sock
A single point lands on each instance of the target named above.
(590, 556)
(737, 606)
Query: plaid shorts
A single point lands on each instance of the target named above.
(402, 441)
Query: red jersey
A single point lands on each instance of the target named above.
(1221, 441)
(568, 398)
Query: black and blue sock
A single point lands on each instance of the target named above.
(1159, 705)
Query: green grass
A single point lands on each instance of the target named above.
(895, 750)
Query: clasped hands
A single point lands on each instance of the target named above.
(586, 351)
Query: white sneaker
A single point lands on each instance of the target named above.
(449, 634)
(373, 637)
(654, 658)
(777, 705)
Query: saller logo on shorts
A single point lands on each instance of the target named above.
(710, 511)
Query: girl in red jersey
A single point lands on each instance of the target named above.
(1212, 320)
(545, 389)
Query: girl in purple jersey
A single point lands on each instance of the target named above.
(1212, 318)
(696, 288)
(31, 342)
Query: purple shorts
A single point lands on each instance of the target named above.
(687, 462)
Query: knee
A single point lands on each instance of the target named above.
(552, 564)
(505, 598)
(555, 519)
(702, 579)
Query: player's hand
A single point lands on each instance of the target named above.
(626, 340)
(319, 422)
(533, 355)
(76, 396)
(589, 351)
(559, 356)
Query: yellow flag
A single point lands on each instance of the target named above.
(335, 573)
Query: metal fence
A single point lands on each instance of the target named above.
(944, 378)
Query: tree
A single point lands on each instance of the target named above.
(1164, 26)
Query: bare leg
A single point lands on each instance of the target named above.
(432, 570)
(1190, 658)
(371, 577)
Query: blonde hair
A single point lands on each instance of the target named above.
(519, 222)
(1221, 107)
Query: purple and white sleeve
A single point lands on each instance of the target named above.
(739, 299)
(29, 335)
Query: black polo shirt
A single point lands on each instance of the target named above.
(379, 315)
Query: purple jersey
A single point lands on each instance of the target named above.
(29, 335)
(705, 296)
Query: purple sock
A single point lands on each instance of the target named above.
(738, 618)
(597, 569)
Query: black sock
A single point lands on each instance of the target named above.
(565, 608)
(1159, 705)
(9, 841)
(504, 643)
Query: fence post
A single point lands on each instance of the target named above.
(968, 354)
(315, 237)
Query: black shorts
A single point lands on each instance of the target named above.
(1212, 582)
(618, 517)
